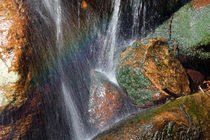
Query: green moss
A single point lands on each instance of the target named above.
(190, 29)
(135, 84)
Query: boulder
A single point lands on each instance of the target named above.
(188, 28)
(184, 118)
(105, 100)
(150, 73)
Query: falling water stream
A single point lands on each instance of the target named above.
(54, 7)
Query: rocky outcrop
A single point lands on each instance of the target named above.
(188, 30)
(185, 118)
(19, 106)
(14, 54)
(105, 100)
(150, 73)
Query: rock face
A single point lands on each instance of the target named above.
(14, 54)
(19, 106)
(105, 100)
(149, 73)
(185, 118)
(189, 29)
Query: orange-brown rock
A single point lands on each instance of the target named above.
(149, 72)
(105, 100)
(200, 3)
(185, 118)
(15, 50)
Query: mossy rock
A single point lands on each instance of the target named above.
(189, 29)
(149, 72)
(184, 118)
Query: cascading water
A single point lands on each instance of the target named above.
(111, 42)
(106, 58)
(106, 62)
(54, 7)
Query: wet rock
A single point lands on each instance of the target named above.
(149, 73)
(105, 100)
(188, 29)
(184, 118)
(14, 54)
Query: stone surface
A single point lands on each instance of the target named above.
(14, 53)
(105, 100)
(189, 29)
(23, 122)
(185, 118)
(148, 71)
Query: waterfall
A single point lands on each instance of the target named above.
(106, 58)
(73, 116)
(106, 63)
(76, 40)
